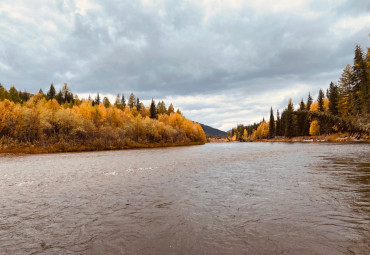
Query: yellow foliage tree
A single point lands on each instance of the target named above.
(314, 128)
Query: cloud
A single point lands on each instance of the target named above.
(191, 52)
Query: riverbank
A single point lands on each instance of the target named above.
(333, 138)
(31, 149)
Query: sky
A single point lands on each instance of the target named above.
(222, 63)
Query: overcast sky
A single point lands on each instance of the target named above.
(221, 62)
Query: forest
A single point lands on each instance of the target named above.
(60, 121)
(344, 110)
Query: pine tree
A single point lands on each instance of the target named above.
(131, 101)
(153, 110)
(59, 97)
(301, 119)
(345, 96)
(138, 105)
(14, 95)
(171, 109)
(333, 99)
(309, 101)
(271, 125)
(106, 102)
(118, 103)
(97, 99)
(289, 120)
(123, 101)
(161, 108)
(51, 93)
(67, 94)
(320, 100)
(278, 123)
(361, 82)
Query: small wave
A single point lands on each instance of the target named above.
(110, 173)
(24, 183)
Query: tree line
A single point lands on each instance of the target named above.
(60, 121)
(344, 108)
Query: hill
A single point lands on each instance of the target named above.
(214, 132)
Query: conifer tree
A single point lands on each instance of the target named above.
(118, 100)
(97, 99)
(131, 101)
(278, 123)
(333, 99)
(309, 101)
(345, 96)
(320, 100)
(301, 117)
(360, 82)
(51, 93)
(153, 110)
(59, 97)
(106, 102)
(138, 105)
(289, 120)
(14, 95)
(123, 101)
(271, 125)
(171, 109)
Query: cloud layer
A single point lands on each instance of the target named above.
(221, 62)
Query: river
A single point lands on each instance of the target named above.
(230, 198)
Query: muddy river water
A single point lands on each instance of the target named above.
(239, 198)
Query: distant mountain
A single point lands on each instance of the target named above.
(210, 131)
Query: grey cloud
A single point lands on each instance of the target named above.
(174, 49)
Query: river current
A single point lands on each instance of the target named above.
(231, 198)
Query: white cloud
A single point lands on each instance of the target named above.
(352, 25)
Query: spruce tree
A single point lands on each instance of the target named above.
(106, 102)
(301, 117)
(333, 99)
(97, 99)
(361, 82)
(51, 93)
(14, 95)
(320, 100)
(131, 101)
(117, 103)
(289, 120)
(123, 101)
(278, 123)
(171, 109)
(309, 101)
(138, 105)
(153, 110)
(271, 125)
(59, 97)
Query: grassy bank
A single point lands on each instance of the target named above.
(55, 149)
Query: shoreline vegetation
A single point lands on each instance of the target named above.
(61, 122)
(333, 138)
(342, 115)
